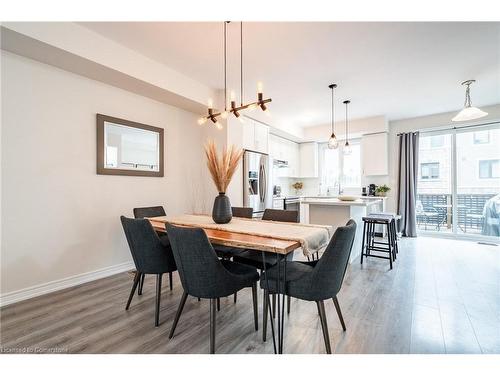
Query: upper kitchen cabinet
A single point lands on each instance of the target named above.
(255, 136)
(308, 160)
(285, 150)
(374, 151)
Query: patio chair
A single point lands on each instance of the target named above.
(427, 214)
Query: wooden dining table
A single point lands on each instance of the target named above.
(268, 246)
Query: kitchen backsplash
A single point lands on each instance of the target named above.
(312, 186)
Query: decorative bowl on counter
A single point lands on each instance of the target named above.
(348, 198)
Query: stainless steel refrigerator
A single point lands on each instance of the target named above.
(257, 186)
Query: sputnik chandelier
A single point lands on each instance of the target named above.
(213, 114)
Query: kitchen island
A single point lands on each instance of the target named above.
(333, 211)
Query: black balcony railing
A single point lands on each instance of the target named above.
(434, 211)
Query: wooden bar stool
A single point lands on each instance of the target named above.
(395, 224)
(369, 243)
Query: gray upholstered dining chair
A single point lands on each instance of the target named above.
(149, 254)
(204, 275)
(289, 216)
(318, 280)
(144, 212)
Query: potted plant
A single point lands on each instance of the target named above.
(382, 190)
(222, 169)
(298, 187)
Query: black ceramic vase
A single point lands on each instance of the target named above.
(221, 213)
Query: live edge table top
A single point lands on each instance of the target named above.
(241, 240)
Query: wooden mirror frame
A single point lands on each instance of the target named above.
(100, 119)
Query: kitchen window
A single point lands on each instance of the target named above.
(489, 168)
(335, 167)
(429, 171)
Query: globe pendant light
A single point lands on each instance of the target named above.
(469, 112)
(347, 146)
(333, 142)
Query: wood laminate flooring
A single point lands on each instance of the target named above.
(443, 296)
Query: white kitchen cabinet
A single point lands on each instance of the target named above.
(261, 137)
(286, 150)
(374, 154)
(308, 160)
(255, 136)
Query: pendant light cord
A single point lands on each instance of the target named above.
(346, 132)
(467, 97)
(225, 68)
(241, 62)
(333, 118)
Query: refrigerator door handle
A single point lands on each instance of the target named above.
(264, 192)
(261, 182)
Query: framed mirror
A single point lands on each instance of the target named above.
(128, 148)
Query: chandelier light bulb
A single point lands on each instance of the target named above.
(259, 87)
(224, 114)
(202, 120)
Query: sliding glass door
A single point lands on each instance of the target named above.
(458, 189)
(478, 181)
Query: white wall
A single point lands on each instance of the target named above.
(59, 218)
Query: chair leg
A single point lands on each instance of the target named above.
(235, 297)
(199, 299)
(213, 302)
(137, 277)
(158, 296)
(265, 306)
(288, 302)
(274, 305)
(141, 284)
(218, 304)
(324, 325)
(255, 307)
(339, 313)
(178, 314)
(170, 280)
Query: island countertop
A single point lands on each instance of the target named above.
(337, 202)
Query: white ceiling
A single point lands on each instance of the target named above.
(400, 70)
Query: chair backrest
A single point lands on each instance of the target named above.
(147, 251)
(329, 272)
(246, 212)
(281, 215)
(200, 270)
(142, 212)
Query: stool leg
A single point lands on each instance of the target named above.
(396, 236)
(371, 228)
(394, 239)
(363, 242)
(389, 245)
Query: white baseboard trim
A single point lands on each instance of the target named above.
(53, 286)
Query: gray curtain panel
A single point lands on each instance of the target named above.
(407, 185)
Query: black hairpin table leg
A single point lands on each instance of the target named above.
(270, 313)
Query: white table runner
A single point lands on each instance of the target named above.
(312, 238)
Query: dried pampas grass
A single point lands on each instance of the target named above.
(222, 168)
